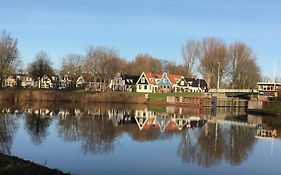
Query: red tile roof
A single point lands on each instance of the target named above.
(152, 78)
(174, 78)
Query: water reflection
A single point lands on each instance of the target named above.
(202, 139)
(37, 126)
(8, 128)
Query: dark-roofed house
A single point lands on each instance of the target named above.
(191, 85)
(123, 82)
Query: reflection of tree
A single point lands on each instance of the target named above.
(98, 135)
(212, 143)
(8, 127)
(37, 127)
(69, 128)
(239, 142)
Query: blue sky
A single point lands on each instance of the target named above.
(158, 27)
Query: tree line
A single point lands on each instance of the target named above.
(234, 65)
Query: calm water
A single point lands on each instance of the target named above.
(127, 139)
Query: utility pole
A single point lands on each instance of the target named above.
(218, 81)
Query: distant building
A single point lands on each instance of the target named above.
(11, 81)
(124, 82)
(268, 88)
(90, 82)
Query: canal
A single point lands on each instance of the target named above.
(137, 139)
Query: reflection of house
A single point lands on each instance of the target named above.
(143, 118)
(119, 116)
(167, 81)
(123, 82)
(191, 85)
(148, 82)
(268, 88)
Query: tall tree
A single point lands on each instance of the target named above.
(104, 62)
(243, 69)
(147, 63)
(41, 66)
(191, 55)
(9, 54)
(213, 60)
(72, 65)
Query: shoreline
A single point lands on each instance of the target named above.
(263, 112)
(10, 165)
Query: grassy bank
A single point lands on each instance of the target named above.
(69, 96)
(10, 165)
(274, 108)
(85, 96)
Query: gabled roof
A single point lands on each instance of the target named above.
(152, 78)
(173, 78)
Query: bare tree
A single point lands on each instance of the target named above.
(213, 60)
(243, 69)
(72, 65)
(104, 62)
(8, 55)
(41, 66)
(191, 56)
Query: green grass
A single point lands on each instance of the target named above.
(275, 108)
(162, 97)
(10, 165)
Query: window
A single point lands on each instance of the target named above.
(139, 86)
(164, 80)
(182, 83)
(145, 87)
(142, 79)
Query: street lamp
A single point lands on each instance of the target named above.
(218, 81)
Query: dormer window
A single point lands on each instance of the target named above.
(164, 80)
(142, 80)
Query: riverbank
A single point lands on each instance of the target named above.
(11, 165)
(272, 110)
(18, 95)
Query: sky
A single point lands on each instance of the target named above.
(157, 27)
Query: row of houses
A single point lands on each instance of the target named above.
(152, 83)
(146, 82)
(86, 80)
